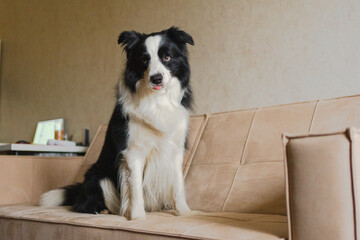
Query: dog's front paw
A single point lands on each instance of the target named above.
(105, 211)
(184, 210)
(138, 214)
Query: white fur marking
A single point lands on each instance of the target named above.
(53, 198)
(156, 67)
(111, 195)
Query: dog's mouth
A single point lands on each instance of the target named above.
(157, 87)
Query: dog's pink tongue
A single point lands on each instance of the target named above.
(157, 87)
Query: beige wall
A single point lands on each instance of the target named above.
(60, 58)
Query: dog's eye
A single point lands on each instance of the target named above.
(166, 58)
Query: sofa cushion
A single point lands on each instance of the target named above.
(58, 222)
(336, 114)
(264, 141)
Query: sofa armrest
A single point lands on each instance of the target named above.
(24, 178)
(322, 177)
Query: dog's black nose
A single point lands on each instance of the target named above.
(156, 79)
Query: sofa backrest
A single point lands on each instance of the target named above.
(237, 161)
(234, 160)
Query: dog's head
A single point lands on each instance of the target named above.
(156, 58)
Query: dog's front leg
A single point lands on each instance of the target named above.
(179, 186)
(134, 200)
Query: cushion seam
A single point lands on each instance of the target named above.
(241, 161)
(352, 172)
(313, 116)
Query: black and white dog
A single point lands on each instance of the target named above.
(140, 165)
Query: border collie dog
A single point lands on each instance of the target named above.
(140, 165)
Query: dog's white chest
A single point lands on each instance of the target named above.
(158, 180)
(161, 141)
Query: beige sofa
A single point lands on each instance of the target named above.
(234, 173)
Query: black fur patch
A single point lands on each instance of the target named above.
(88, 197)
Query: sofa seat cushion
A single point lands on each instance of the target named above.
(49, 222)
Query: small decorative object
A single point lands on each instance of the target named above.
(50, 129)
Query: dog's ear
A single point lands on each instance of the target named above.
(128, 39)
(179, 36)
